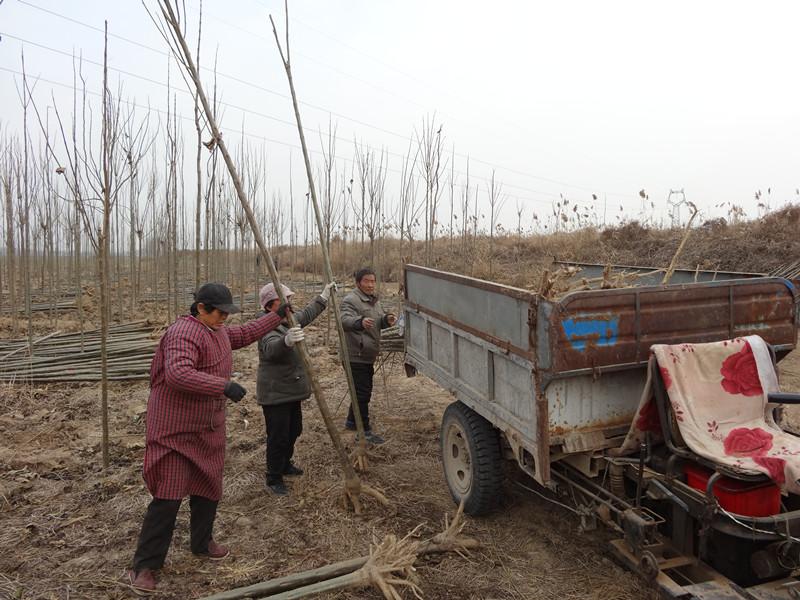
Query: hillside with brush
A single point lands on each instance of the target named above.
(760, 245)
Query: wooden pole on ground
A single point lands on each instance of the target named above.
(177, 43)
(351, 573)
(360, 456)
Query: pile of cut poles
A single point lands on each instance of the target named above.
(392, 340)
(66, 301)
(76, 357)
(185, 296)
(44, 306)
(564, 280)
(790, 270)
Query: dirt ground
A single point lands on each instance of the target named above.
(68, 530)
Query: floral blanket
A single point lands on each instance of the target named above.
(718, 393)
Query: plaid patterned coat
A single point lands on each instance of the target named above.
(185, 449)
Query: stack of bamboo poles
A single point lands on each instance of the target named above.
(392, 340)
(44, 306)
(185, 296)
(65, 301)
(790, 270)
(76, 357)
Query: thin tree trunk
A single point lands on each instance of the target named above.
(132, 275)
(78, 266)
(25, 217)
(118, 275)
(10, 258)
(174, 229)
(343, 350)
(104, 254)
(197, 165)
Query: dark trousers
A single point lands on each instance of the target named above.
(159, 524)
(284, 424)
(362, 378)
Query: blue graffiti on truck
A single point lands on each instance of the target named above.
(600, 332)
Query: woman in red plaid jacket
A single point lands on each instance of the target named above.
(185, 451)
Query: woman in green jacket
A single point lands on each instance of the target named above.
(282, 384)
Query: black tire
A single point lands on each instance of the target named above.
(471, 459)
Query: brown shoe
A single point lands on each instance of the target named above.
(215, 551)
(143, 582)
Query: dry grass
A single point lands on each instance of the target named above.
(759, 246)
(73, 529)
(69, 530)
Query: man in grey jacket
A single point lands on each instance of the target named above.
(362, 319)
(282, 384)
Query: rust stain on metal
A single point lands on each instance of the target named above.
(691, 313)
(597, 425)
(542, 456)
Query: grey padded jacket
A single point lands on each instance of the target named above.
(363, 345)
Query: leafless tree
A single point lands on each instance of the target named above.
(376, 184)
(95, 183)
(431, 165)
(362, 159)
(8, 176)
(496, 201)
(408, 205)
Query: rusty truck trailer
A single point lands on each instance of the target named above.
(558, 381)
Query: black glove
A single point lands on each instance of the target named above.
(282, 309)
(234, 391)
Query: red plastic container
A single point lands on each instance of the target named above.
(739, 497)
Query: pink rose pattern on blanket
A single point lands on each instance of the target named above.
(747, 442)
(739, 373)
(718, 396)
(719, 390)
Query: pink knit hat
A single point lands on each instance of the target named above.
(268, 293)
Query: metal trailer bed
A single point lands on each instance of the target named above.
(561, 380)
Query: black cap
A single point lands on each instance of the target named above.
(218, 296)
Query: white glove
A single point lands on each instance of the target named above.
(294, 335)
(326, 291)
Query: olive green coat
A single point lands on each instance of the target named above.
(281, 377)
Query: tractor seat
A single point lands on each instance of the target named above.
(715, 405)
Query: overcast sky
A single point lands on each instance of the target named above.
(569, 98)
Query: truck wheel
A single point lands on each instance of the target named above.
(471, 459)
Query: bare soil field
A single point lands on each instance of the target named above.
(69, 530)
